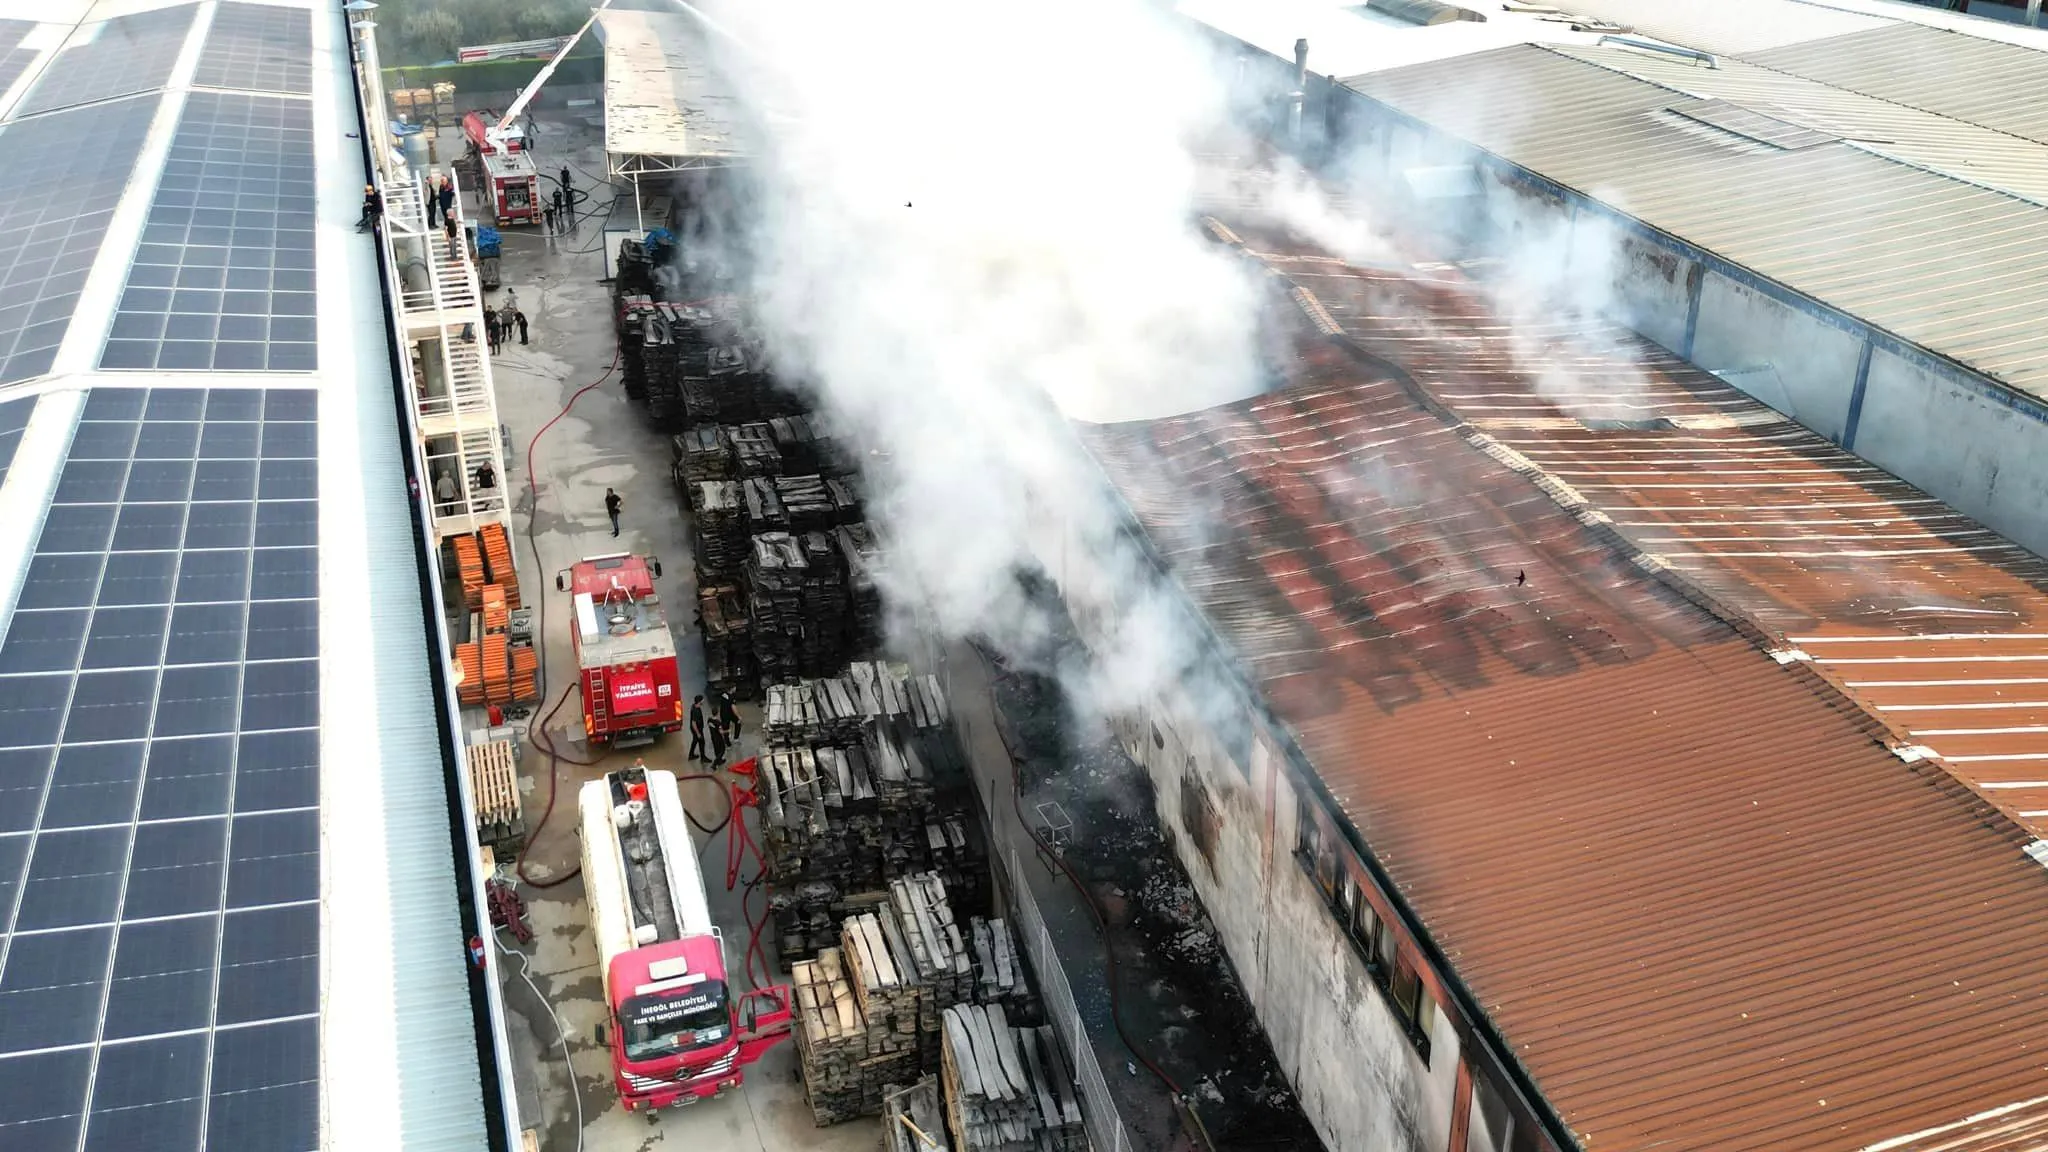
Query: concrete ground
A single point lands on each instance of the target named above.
(602, 442)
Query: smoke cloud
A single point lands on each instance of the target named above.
(967, 224)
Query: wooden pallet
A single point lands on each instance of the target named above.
(525, 672)
(494, 786)
(496, 614)
(471, 691)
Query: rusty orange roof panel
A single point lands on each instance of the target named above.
(1672, 852)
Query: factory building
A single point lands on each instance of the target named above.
(1808, 201)
(1574, 752)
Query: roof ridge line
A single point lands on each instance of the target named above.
(1823, 686)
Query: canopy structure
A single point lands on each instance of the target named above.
(666, 109)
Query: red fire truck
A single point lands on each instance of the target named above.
(632, 692)
(509, 181)
(677, 1033)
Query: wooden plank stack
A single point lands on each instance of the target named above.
(469, 569)
(763, 504)
(703, 453)
(914, 1118)
(846, 1062)
(494, 785)
(996, 968)
(939, 954)
(816, 503)
(755, 452)
(728, 640)
(798, 444)
(862, 557)
(800, 606)
(1007, 1089)
(720, 519)
(499, 568)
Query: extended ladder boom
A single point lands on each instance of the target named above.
(504, 131)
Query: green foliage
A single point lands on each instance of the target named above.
(429, 31)
(496, 75)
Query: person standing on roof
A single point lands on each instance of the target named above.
(446, 196)
(612, 504)
(697, 728)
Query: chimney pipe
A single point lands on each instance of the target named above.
(1300, 95)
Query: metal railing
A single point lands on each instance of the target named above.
(1106, 1131)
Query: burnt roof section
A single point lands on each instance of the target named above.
(1702, 903)
(1934, 623)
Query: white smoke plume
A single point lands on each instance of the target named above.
(967, 221)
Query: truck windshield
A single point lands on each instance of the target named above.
(663, 1025)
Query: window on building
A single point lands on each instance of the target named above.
(1307, 834)
(1362, 924)
(1493, 1125)
(1404, 988)
(1382, 959)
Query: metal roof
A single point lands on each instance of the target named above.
(661, 98)
(1934, 624)
(1960, 76)
(1700, 900)
(1893, 244)
(1727, 27)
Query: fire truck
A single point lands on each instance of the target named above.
(625, 654)
(677, 1033)
(499, 162)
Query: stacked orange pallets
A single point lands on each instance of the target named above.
(469, 567)
(471, 691)
(496, 615)
(498, 559)
(525, 672)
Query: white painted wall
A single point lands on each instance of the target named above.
(1781, 356)
(1984, 458)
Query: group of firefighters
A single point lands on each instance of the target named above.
(723, 728)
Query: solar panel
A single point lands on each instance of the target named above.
(14, 416)
(65, 173)
(14, 59)
(223, 278)
(258, 48)
(159, 785)
(117, 57)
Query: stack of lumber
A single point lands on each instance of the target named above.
(797, 444)
(940, 956)
(862, 556)
(914, 1118)
(816, 503)
(755, 451)
(630, 310)
(651, 327)
(808, 913)
(824, 711)
(846, 1062)
(763, 504)
(800, 605)
(818, 817)
(884, 982)
(728, 640)
(1007, 1089)
(721, 523)
(1000, 979)
(498, 566)
(494, 785)
(469, 569)
(703, 453)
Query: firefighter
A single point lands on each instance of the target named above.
(718, 744)
(728, 716)
(697, 728)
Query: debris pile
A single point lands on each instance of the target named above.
(754, 451)
(1007, 1088)
(703, 453)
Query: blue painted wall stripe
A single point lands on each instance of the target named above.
(1856, 399)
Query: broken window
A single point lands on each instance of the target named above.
(1493, 1125)
(1404, 988)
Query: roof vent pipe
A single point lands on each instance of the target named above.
(1693, 54)
(1300, 94)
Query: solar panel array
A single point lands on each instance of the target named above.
(64, 176)
(14, 59)
(159, 784)
(14, 416)
(117, 57)
(223, 278)
(258, 48)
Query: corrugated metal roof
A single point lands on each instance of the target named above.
(1933, 623)
(661, 98)
(1952, 148)
(1955, 75)
(1727, 27)
(1958, 269)
(1699, 900)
